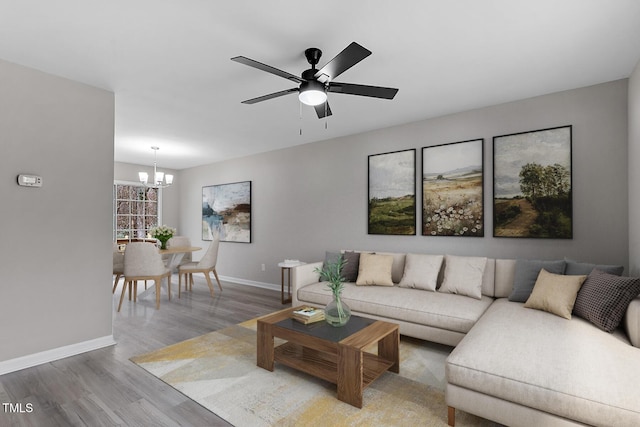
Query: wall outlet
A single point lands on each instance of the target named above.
(263, 267)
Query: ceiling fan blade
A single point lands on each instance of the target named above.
(323, 110)
(346, 59)
(363, 90)
(270, 96)
(268, 68)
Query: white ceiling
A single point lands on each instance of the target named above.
(167, 61)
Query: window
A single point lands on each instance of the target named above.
(135, 210)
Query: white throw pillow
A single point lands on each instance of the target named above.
(421, 271)
(463, 275)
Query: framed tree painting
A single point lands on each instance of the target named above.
(532, 188)
(392, 193)
(226, 212)
(453, 189)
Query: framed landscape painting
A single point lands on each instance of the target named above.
(532, 188)
(226, 211)
(453, 189)
(392, 193)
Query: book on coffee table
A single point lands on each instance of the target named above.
(308, 315)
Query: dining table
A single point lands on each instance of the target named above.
(176, 253)
(175, 256)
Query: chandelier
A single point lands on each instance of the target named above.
(160, 179)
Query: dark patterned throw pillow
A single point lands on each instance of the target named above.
(604, 298)
(350, 269)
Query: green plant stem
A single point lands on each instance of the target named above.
(341, 313)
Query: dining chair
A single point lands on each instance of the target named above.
(143, 262)
(206, 265)
(118, 265)
(180, 241)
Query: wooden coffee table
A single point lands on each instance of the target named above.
(333, 354)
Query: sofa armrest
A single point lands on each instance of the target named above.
(632, 322)
(303, 275)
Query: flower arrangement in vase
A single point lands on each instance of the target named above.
(163, 234)
(336, 313)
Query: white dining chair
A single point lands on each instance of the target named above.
(118, 265)
(180, 241)
(143, 262)
(206, 265)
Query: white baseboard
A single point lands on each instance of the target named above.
(47, 356)
(264, 285)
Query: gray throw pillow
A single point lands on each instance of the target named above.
(603, 299)
(331, 258)
(350, 268)
(526, 274)
(575, 268)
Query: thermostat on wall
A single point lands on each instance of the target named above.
(30, 180)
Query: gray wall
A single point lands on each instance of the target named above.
(170, 208)
(312, 198)
(56, 241)
(634, 171)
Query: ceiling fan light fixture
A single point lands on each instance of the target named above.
(312, 93)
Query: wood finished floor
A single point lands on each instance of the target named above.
(104, 388)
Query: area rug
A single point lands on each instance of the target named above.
(218, 370)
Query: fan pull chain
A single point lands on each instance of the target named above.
(326, 107)
(300, 103)
(326, 118)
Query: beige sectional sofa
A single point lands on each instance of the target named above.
(513, 365)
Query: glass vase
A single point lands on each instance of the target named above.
(337, 313)
(163, 243)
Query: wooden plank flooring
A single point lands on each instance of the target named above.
(104, 388)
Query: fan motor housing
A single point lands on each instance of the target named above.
(309, 74)
(313, 55)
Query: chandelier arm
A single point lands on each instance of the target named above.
(156, 183)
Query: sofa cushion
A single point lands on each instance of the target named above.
(421, 271)
(604, 298)
(632, 322)
(350, 268)
(463, 275)
(555, 293)
(331, 258)
(375, 269)
(579, 268)
(445, 311)
(397, 268)
(577, 372)
(526, 274)
(505, 270)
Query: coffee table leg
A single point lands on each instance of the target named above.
(350, 371)
(388, 348)
(265, 346)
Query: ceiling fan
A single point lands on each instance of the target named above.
(314, 84)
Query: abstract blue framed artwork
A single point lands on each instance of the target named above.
(226, 211)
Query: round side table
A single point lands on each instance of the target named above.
(287, 265)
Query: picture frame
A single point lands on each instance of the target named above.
(392, 193)
(453, 189)
(532, 184)
(226, 211)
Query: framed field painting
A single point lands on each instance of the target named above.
(226, 211)
(532, 189)
(392, 193)
(452, 189)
